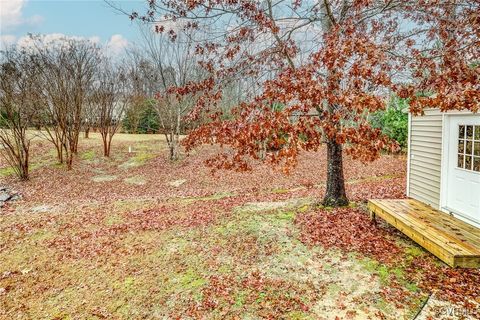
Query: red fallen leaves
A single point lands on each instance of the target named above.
(272, 297)
(160, 219)
(103, 240)
(377, 189)
(347, 229)
(456, 285)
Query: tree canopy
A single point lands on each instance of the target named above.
(330, 63)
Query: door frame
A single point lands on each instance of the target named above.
(445, 164)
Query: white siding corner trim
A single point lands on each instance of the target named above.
(445, 164)
(409, 152)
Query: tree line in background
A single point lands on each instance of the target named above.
(63, 87)
(88, 90)
(70, 85)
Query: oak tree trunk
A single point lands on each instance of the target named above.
(335, 195)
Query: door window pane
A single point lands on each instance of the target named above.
(468, 162)
(476, 164)
(469, 132)
(460, 161)
(468, 147)
(476, 148)
(461, 146)
(468, 150)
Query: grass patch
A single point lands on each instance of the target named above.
(302, 204)
(280, 190)
(105, 178)
(88, 155)
(7, 171)
(136, 180)
(377, 268)
(41, 235)
(10, 171)
(286, 215)
(389, 274)
(191, 280)
(113, 219)
(414, 251)
(138, 160)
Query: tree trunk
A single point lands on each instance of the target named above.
(335, 195)
(59, 148)
(87, 133)
(24, 170)
(75, 142)
(109, 144)
(105, 144)
(70, 160)
(173, 151)
(23, 161)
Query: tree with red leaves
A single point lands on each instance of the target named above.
(323, 67)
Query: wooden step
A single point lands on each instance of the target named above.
(453, 241)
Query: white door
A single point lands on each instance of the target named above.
(463, 172)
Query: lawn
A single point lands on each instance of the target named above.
(139, 237)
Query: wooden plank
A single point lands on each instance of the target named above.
(428, 233)
(416, 236)
(455, 228)
(473, 234)
(451, 238)
(453, 241)
(444, 224)
(438, 250)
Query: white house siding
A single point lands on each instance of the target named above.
(425, 156)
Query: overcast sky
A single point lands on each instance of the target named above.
(92, 19)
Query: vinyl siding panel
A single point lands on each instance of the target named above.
(426, 157)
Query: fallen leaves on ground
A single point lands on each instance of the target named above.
(349, 229)
(89, 247)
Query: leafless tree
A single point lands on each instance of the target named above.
(19, 101)
(111, 94)
(68, 67)
(172, 65)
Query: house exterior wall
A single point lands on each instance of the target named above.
(425, 157)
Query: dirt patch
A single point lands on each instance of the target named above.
(136, 180)
(104, 178)
(176, 183)
(276, 205)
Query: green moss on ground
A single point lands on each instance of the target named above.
(138, 160)
(88, 155)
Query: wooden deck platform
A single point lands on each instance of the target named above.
(453, 241)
